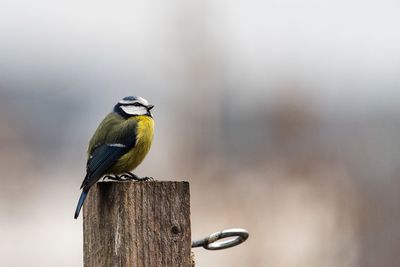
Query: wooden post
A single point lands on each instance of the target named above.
(138, 224)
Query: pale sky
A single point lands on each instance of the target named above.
(345, 51)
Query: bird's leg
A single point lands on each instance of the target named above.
(131, 176)
(113, 177)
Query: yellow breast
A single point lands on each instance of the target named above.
(144, 139)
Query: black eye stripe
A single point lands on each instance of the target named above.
(136, 104)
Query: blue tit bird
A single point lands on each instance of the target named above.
(119, 144)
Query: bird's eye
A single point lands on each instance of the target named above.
(136, 104)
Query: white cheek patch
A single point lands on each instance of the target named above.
(143, 101)
(124, 102)
(139, 99)
(134, 110)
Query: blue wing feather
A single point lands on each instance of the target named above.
(105, 156)
(101, 160)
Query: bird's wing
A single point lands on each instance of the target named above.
(119, 140)
(110, 122)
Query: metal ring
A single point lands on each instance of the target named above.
(211, 242)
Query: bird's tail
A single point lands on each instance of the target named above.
(80, 203)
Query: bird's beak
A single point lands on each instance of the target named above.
(149, 107)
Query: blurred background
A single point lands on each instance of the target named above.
(283, 115)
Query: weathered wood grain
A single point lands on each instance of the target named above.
(137, 224)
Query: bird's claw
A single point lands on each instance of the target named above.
(145, 179)
(128, 176)
(131, 176)
(113, 177)
(149, 178)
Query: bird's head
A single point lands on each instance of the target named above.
(133, 106)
